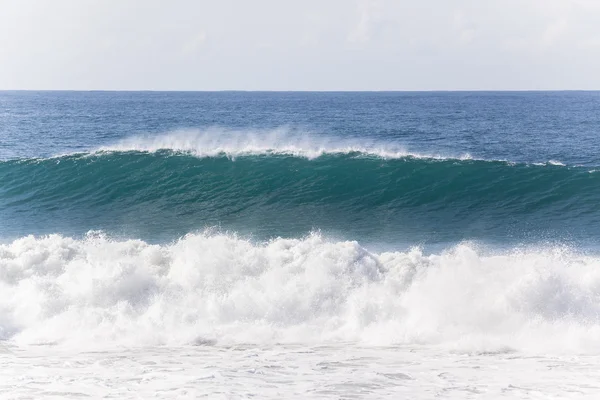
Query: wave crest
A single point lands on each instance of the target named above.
(216, 141)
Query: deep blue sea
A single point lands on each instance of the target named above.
(387, 169)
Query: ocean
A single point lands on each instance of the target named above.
(300, 244)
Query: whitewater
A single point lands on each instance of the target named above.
(293, 316)
(299, 245)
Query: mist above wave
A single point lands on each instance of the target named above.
(284, 141)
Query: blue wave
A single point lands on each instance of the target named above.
(165, 194)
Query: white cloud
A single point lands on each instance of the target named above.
(465, 30)
(361, 33)
(553, 32)
(193, 44)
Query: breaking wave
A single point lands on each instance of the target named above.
(210, 288)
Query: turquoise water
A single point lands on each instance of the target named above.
(357, 196)
(382, 168)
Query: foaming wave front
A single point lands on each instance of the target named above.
(212, 288)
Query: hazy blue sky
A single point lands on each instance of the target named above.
(300, 45)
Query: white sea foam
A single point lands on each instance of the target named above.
(215, 288)
(556, 163)
(552, 163)
(284, 141)
(216, 141)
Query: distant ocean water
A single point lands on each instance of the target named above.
(462, 221)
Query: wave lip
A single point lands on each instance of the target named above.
(216, 288)
(284, 141)
(218, 142)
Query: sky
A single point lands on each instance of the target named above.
(299, 44)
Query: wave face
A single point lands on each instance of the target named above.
(214, 288)
(165, 194)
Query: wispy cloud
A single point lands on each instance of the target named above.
(368, 13)
(193, 44)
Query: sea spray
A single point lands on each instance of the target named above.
(215, 288)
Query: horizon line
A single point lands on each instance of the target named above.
(302, 90)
